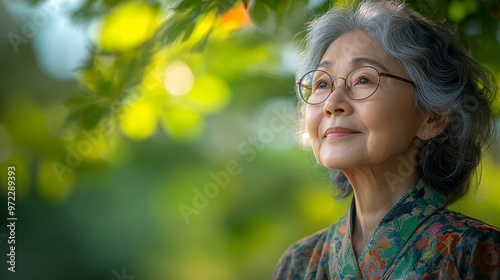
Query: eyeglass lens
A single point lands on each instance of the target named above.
(360, 83)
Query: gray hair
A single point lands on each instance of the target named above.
(449, 82)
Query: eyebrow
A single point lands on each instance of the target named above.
(355, 61)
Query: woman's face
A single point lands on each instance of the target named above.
(347, 133)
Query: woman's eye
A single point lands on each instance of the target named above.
(322, 85)
(364, 81)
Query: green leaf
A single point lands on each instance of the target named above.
(189, 5)
(260, 13)
(92, 116)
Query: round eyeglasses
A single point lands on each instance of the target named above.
(362, 82)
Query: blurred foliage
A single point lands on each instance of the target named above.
(139, 35)
(170, 95)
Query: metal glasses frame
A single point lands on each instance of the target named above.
(379, 74)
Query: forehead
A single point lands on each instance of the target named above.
(346, 50)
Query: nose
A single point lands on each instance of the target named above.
(338, 102)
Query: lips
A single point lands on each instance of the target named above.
(337, 132)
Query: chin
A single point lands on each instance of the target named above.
(335, 158)
(335, 162)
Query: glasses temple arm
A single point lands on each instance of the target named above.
(397, 78)
(299, 83)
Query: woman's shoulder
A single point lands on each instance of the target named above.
(449, 221)
(462, 233)
(460, 244)
(305, 256)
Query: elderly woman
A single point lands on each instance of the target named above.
(400, 113)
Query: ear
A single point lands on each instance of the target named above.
(432, 126)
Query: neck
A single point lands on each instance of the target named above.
(376, 191)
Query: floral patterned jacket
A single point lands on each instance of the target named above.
(418, 239)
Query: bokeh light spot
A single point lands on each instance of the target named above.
(236, 18)
(138, 120)
(209, 94)
(178, 78)
(182, 124)
(128, 26)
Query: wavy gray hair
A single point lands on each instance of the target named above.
(449, 82)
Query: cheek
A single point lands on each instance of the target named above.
(390, 126)
(313, 120)
(376, 118)
(314, 115)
